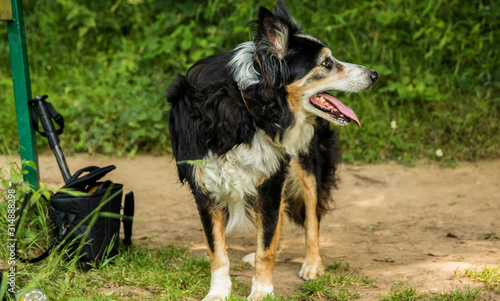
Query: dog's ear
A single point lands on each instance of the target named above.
(274, 30)
(272, 33)
(282, 12)
(271, 42)
(271, 38)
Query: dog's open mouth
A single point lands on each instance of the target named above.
(331, 105)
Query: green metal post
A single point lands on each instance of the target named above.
(22, 90)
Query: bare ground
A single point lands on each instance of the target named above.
(391, 222)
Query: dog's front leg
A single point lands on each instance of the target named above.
(213, 222)
(269, 219)
(313, 266)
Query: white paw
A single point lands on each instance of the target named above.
(215, 297)
(256, 296)
(220, 285)
(311, 271)
(250, 259)
(217, 294)
(260, 290)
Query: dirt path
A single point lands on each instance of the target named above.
(392, 222)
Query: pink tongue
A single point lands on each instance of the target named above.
(341, 107)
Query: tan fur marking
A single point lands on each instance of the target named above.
(219, 257)
(302, 85)
(307, 189)
(326, 51)
(311, 223)
(294, 96)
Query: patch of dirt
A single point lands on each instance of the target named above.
(391, 222)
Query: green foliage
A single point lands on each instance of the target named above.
(338, 283)
(489, 275)
(402, 291)
(107, 64)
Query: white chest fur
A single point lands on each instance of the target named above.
(233, 178)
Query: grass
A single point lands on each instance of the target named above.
(340, 282)
(402, 291)
(169, 272)
(172, 273)
(488, 275)
(164, 273)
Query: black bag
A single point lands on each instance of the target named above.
(71, 216)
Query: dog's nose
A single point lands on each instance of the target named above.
(373, 76)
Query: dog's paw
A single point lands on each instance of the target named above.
(214, 297)
(260, 290)
(260, 293)
(220, 285)
(311, 271)
(259, 296)
(250, 259)
(217, 295)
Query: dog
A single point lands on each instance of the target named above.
(254, 124)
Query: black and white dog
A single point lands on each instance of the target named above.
(257, 120)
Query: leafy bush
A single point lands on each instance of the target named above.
(107, 64)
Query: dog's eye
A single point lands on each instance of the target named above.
(327, 63)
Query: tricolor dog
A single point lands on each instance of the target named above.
(257, 120)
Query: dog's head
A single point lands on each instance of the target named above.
(287, 59)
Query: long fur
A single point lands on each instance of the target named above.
(248, 117)
(208, 113)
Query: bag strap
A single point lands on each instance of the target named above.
(52, 112)
(128, 211)
(80, 171)
(94, 174)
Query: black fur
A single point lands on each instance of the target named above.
(205, 208)
(270, 203)
(227, 102)
(208, 113)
